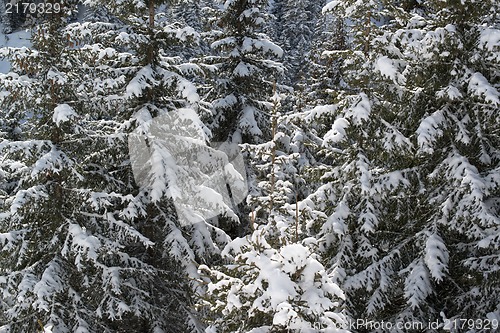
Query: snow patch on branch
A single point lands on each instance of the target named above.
(479, 86)
(436, 257)
(63, 113)
(429, 130)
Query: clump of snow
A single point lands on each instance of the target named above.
(360, 109)
(490, 39)
(140, 82)
(416, 21)
(337, 132)
(188, 91)
(63, 113)
(336, 222)
(250, 44)
(182, 34)
(331, 6)
(225, 102)
(83, 243)
(450, 92)
(436, 257)
(249, 122)
(224, 42)
(479, 86)
(54, 160)
(243, 69)
(429, 130)
(387, 68)
(48, 286)
(417, 285)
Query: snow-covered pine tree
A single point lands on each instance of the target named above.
(294, 30)
(453, 81)
(246, 73)
(44, 241)
(241, 295)
(410, 163)
(272, 289)
(85, 246)
(274, 281)
(361, 167)
(153, 88)
(323, 74)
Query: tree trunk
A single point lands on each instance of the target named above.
(151, 14)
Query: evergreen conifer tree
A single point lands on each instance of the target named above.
(274, 280)
(88, 246)
(246, 73)
(408, 162)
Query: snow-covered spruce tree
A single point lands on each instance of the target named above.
(362, 164)
(272, 289)
(323, 73)
(190, 12)
(40, 233)
(453, 81)
(410, 163)
(274, 281)
(155, 86)
(294, 30)
(246, 73)
(85, 247)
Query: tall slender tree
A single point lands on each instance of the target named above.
(246, 73)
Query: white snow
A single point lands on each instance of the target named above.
(140, 82)
(224, 42)
(48, 286)
(53, 161)
(336, 221)
(250, 44)
(490, 39)
(337, 132)
(417, 285)
(243, 69)
(226, 102)
(436, 257)
(63, 113)
(249, 122)
(182, 34)
(188, 91)
(360, 110)
(83, 244)
(387, 68)
(479, 86)
(331, 6)
(450, 92)
(429, 130)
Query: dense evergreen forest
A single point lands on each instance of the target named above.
(366, 197)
